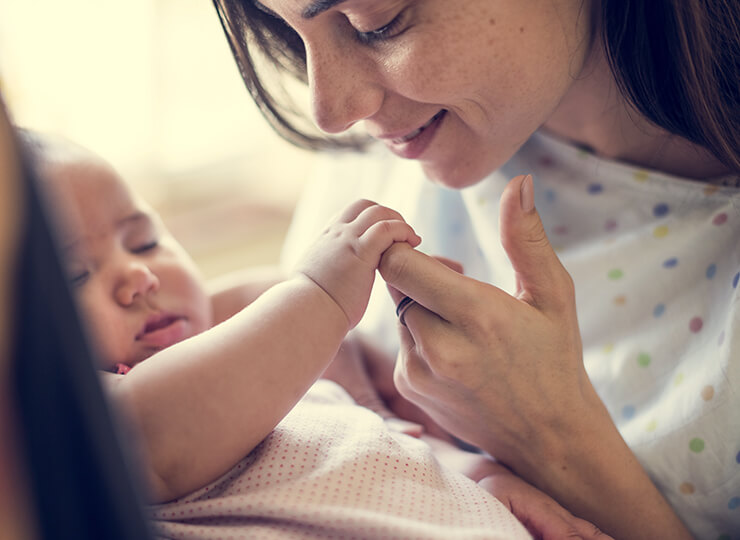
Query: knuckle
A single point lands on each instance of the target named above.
(564, 291)
(443, 361)
(393, 264)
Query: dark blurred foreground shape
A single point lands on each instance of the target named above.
(79, 480)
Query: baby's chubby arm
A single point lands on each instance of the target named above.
(200, 406)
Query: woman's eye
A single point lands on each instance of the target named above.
(145, 247)
(387, 31)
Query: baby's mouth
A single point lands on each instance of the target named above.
(157, 323)
(162, 330)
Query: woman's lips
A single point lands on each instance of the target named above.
(413, 144)
(162, 331)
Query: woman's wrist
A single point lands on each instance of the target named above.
(590, 470)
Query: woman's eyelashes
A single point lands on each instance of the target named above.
(384, 33)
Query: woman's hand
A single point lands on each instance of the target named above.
(542, 516)
(502, 372)
(505, 373)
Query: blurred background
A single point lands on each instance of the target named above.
(151, 86)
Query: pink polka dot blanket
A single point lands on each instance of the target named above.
(332, 469)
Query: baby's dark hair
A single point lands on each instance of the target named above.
(676, 61)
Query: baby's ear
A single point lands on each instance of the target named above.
(454, 265)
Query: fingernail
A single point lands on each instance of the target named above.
(527, 194)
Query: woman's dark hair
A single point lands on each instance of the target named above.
(684, 78)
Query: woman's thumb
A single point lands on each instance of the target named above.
(541, 278)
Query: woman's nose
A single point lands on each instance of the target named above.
(136, 279)
(344, 87)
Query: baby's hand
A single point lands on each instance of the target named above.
(344, 258)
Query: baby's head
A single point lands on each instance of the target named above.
(137, 288)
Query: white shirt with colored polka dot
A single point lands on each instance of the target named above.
(332, 470)
(656, 264)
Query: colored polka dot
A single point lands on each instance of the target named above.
(687, 488)
(720, 219)
(640, 176)
(711, 271)
(547, 161)
(721, 338)
(550, 195)
(734, 503)
(696, 445)
(560, 229)
(651, 426)
(660, 232)
(670, 263)
(643, 359)
(620, 300)
(610, 225)
(609, 347)
(678, 379)
(482, 201)
(628, 412)
(737, 457)
(658, 310)
(707, 393)
(595, 189)
(696, 324)
(711, 190)
(615, 274)
(660, 210)
(735, 280)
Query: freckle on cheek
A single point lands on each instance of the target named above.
(521, 29)
(492, 22)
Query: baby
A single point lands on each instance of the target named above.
(236, 436)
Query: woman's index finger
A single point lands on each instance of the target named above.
(430, 282)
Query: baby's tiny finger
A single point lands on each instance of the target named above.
(381, 235)
(399, 425)
(351, 212)
(588, 530)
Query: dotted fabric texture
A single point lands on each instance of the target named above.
(656, 264)
(332, 469)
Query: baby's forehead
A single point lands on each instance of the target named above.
(88, 195)
(88, 179)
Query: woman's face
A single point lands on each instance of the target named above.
(458, 85)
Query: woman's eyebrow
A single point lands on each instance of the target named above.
(317, 7)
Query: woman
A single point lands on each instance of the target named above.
(620, 405)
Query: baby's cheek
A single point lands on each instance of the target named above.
(105, 339)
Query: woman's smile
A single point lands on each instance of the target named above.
(413, 144)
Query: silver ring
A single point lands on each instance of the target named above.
(402, 307)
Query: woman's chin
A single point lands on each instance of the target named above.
(457, 176)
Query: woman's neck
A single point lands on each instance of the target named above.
(594, 114)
